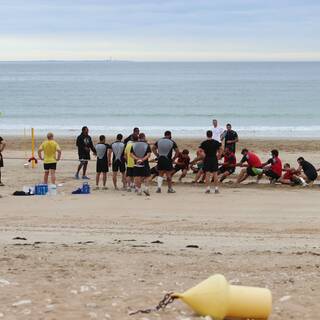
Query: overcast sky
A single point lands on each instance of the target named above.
(183, 30)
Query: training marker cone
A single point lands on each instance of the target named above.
(215, 297)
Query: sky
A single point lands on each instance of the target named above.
(160, 30)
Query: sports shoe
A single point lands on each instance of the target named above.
(76, 176)
(147, 193)
(158, 190)
(97, 188)
(85, 178)
(105, 188)
(1, 184)
(216, 191)
(171, 190)
(208, 191)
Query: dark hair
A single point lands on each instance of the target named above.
(287, 165)
(134, 137)
(300, 159)
(167, 133)
(142, 136)
(229, 125)
(1, 139)
(244, 150)
(185, 151)
(84, 128)
(136, 129)
(209, 134)
(275, 152)
(102, 137)
(119, 136)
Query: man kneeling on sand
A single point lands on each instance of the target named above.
(253, 166)
(307, 171)
(52, 154)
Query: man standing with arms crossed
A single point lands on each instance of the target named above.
(210, 151)
(163, 150)
(217, 132)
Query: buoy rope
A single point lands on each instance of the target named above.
(167, 299)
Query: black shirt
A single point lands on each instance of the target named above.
(210, 148)
(308, 169)
(230, 135)
(84, 144)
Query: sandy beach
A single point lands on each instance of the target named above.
(103, 255)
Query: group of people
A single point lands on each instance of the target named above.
(131, 158)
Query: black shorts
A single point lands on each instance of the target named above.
(224, 169)
(50, 166)
(164, 164)
(1, 161)
(154, 171)
(271, 174)
(118, 165)
(142, 171)
(178, 168)
(102, 165)
(312, 175)
(130, 172)
(210, 165)
(84, 156)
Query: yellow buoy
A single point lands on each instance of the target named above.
(215, 297)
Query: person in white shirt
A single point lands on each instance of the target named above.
(217, 131)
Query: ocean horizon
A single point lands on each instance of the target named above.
(260, 99)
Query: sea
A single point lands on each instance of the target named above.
(259, 99)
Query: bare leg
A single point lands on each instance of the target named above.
(224, 175)
(242, 175)
(215, 182)
(137, 181)
(183, 174)
(169, 179)
(85, 166)
(104, 179)
(46, 176)
(53, 176)
(97, 178)
(207, 178)
(114, 179)
(124, 180)
(79, 168)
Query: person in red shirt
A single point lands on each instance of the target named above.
(229, 164)
(273, 167)
(182, 163)
(253, 165)
(290, 175)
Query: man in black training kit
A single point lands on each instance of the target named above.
(141, 152)
(84, 144)
(310, 173)
(210, 151)
(163, 150)
(118, 161)
(230, 138)
(102, 162)
(136, 132)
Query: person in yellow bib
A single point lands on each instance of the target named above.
(51, 155)
(130, 162)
